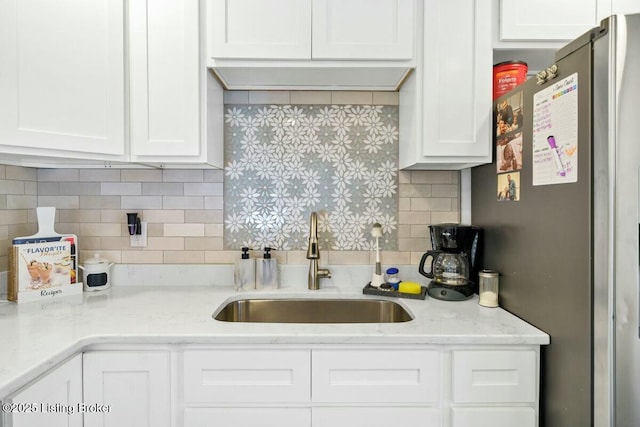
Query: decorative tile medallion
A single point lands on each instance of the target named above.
(284, 161)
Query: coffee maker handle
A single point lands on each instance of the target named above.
(433, 255)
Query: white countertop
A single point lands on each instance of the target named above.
(37, 336)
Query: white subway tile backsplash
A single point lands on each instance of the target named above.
(386, 98)
(141, 202)
(60, 202)
(236, 97)
(120, 189)
(21, 202)
(269, 97)
(214, 202)
(182, 202)
(203, 189)
(164, 216)
(162, 188)
(311, 97)
(100, 175)
(211, 175)
(351, 98)
(184, 230)
(8, 186)
(182, 175)
(20, 173)
(141, 175)
(45, 175)
(100, 202)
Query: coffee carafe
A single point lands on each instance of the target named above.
(446, 267)
(453, 263)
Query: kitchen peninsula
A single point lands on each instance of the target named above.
(453, 362)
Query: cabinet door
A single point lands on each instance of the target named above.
(165, 78)
(376, 376)
(247, 417)
(376, 417)
(258, 29)
(62, 78)
(494, 417)
(361, 29)
(456, 76)
(487, 376)
(625, 7)
(56, 397)
(134, 384)
(240, 376)
(546, 19)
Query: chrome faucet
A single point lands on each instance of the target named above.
(313, 255)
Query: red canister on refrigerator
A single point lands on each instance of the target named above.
(507, 75)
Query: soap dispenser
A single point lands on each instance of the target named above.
(245, 272)
(267, 271)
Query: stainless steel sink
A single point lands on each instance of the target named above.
(301, 310)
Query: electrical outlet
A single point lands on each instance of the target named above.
(140, 240)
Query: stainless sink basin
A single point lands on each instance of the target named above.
(300, 310)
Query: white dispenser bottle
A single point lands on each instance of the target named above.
(244, 276)
(267, 272)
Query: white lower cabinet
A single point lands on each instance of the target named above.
(376, 417)
(494, 417)
(247, 417)
(135, 387)
(290, 385)
(494, 387)
(50, 401)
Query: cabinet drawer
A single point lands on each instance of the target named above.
(374, 376)
(376, 417)
(494, 417)
(494, 376)
(247, 376)
(247, 417)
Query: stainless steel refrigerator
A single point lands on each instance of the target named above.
(560, 211)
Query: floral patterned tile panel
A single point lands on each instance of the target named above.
(284, 161)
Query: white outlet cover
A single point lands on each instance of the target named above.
(140, 240)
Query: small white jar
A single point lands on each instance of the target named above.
(96, 273)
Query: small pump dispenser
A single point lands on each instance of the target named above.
(267, 272)
(245, 272)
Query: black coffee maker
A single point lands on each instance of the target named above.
(454, 262)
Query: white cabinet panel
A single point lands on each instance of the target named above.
(62, 79)
(546, 19)
(494, 417)
(135, 384)
(494, 376)
(376, 376)
(247, 417)
(247, 376)
(165, 78)
(625, 7)
(445, 105)
(376, 417)
(254, 29)
(56, 396)
(361, 29)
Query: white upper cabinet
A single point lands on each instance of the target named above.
(445, 105)
(311, 44)
(68, 101)
(546, 20)
(62, 78)
(169, 86)
(624, 7)
(259, 29)
(361, 29)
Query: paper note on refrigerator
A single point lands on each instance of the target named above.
(555, 133)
